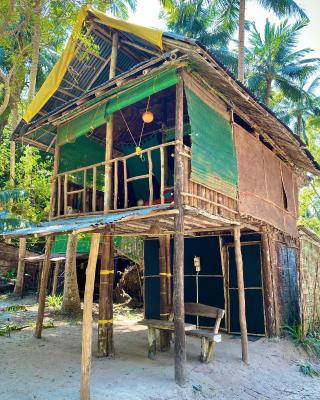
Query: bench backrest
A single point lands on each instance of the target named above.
(202, 310)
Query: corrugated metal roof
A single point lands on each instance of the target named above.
(74, 224)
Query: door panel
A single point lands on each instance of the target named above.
(251, 256)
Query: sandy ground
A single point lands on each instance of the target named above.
(49, 369)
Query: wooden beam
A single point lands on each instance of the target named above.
(105, 323)
(87, 319)
(18, 288)
(43, 287)
(178, 268)
(241, 294)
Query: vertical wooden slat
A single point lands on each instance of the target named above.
(84, 198)
(87, 319)
(65, 194)
(116, 183)
(241, 294)
(94, 189)
(162, 175)
(53, 202)
(150, 178)
(164, 307)
(59, 196)
(125, 177)
(178, 270)
(55, 277)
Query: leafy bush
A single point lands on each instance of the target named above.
(309, 370)
(54, 300)
(310, 343)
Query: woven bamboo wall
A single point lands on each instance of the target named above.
(309, 282)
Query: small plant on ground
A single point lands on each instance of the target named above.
(14, 307)
(309, 370)
(6, 329)
(54, 300)
(310, 342)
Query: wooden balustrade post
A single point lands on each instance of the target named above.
(55, 277)
(87, 318)
(241, 294)
(105, 329)
(178, 265)
(53, 200)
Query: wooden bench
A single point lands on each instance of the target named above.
(208, 337)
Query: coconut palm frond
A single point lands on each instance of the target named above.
(12, 194)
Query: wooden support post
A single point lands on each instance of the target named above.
(178, 265)
(267, 285)
(241, 294)
(53, 201)
(105, 323)
(165, 336)
(87, 318)
(18, 289)
(55, 277)
(71, 300)
(43, 287)
(169, 276)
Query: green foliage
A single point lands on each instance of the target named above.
(14, 308)
(54, 300)
(310, 343)
(274, 63)
(309, 370)
(6, 329)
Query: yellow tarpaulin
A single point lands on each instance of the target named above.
(55, 77)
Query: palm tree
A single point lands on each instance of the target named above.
(275, 64)
(7, 222)
(302, 111)
(279, 7)
(201, 20)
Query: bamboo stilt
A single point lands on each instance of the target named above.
(87, 319)
(105, 323)
(18, 288)
(43, 287)
(241, 293)
(165, 336)
(178, 265)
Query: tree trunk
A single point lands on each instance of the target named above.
(299, 124)
(268, 91)
(36, 39)
(18, 289)
(242, 13)
(71, 300)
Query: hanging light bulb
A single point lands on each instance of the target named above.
(147, 117)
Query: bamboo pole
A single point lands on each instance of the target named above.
(164, 307)
(55, 277)
(169, 276)
(43, 287)
(87, 319)
(178, 270)
(105, 323)
(18, 288)
(241, 294)
(150, 178)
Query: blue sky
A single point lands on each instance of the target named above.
(148, 14)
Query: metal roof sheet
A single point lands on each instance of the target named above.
(78, 223)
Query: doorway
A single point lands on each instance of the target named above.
(253, 286)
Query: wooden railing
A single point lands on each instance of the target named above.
(80, 192)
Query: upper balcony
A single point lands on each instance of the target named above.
(138, 180)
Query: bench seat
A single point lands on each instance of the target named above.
(208, 337)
